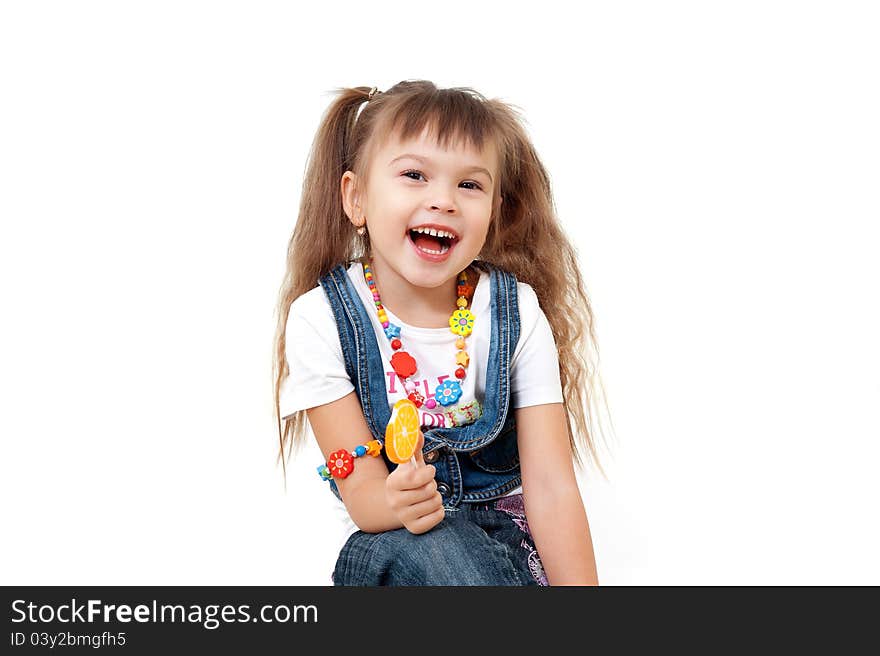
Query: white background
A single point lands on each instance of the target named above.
(716, 165)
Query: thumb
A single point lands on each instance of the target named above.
(418, 456)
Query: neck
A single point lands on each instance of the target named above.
(422, 307)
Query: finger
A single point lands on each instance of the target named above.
(417, 454)
(422, 509)
(420, 477)
(427, 506)
(407, 478)
(426, 523)
(412, 497)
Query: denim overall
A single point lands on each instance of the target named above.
(484, 539)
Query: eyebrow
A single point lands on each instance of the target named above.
(423, 160)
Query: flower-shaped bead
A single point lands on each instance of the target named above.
(341, 464)
(447, 392)
(404, 364)
(461, 322)
(392, 331)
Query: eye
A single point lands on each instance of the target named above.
(417, 173)
(476, 187)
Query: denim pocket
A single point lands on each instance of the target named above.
(501, 454)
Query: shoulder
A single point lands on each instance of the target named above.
(534, 324)
(311, 308)
(528, 305)
(536, 333)
(311, 327)
(527, 297)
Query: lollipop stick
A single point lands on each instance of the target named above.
(412, 459)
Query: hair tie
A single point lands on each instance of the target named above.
(360, 105)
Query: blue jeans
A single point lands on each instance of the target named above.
(475, 544)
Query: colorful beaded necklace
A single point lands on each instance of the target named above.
(461, 323)
(341, 462)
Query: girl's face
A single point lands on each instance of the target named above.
(417, 184)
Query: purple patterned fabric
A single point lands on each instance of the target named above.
(513, 505)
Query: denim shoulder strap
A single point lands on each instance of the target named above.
(363, 360)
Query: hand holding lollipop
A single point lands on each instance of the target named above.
(411, 491)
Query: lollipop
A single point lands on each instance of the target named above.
(403, 432)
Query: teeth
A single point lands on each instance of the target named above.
(433, 252)
(435, 233)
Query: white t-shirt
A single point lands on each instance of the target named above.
(317, 368)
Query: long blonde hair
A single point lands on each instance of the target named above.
(524, 237)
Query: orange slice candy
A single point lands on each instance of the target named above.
(403, 432)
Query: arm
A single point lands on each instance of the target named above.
(376, 500)
(554, 508)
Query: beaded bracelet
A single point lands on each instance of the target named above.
(341, 463)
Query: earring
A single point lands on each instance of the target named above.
(362, 229)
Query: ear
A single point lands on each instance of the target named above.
(350, 199)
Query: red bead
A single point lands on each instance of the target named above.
(404, 364)
(460, 373)
(395, 344)
(417, 398)
(340, 464)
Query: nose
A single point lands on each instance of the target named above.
(448, 207)
(442, 201)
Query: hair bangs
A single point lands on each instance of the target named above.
(451, 117)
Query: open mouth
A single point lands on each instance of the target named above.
(433, 244)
